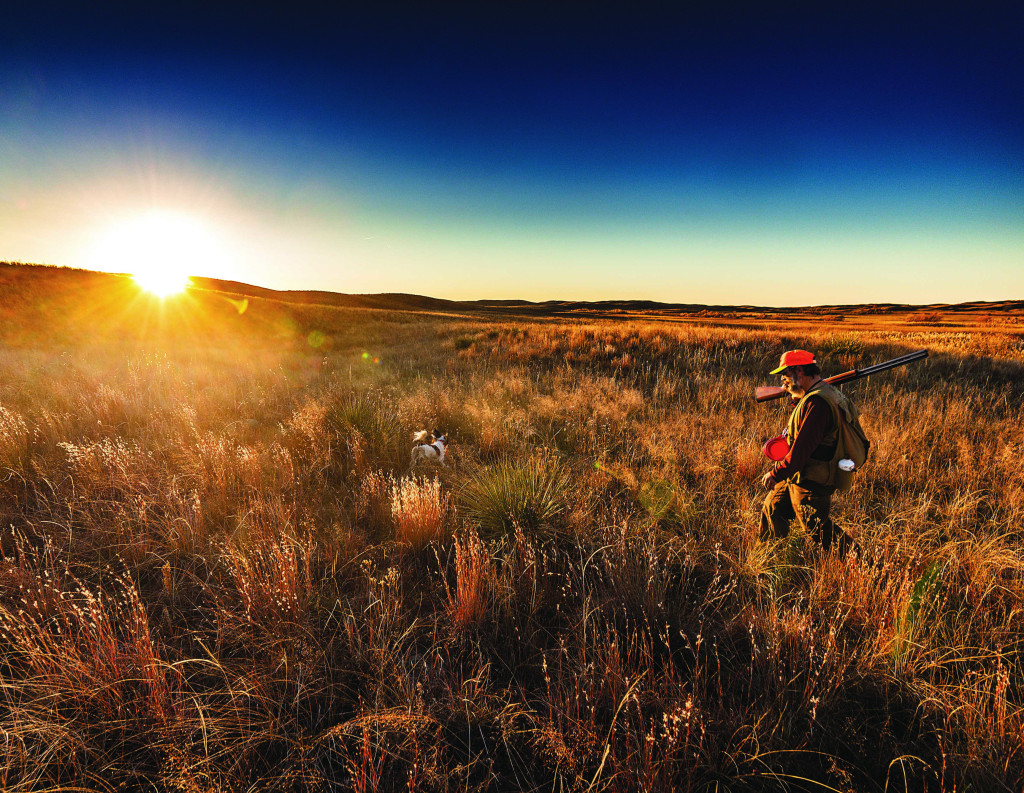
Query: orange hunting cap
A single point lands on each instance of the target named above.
(794, 358)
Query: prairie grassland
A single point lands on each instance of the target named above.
(218, 572)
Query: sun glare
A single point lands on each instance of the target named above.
(162, 284)
(160, 249)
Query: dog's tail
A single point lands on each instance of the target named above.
(421, 437)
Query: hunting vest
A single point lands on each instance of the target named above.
(823, 466)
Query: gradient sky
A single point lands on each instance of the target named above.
(768, 154)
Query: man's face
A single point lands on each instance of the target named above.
(794, 380)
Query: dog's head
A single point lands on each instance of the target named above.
(441, 436)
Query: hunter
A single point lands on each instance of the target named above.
(803, 482)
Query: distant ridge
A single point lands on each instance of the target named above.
(10, 272)
(384, 300)
(399, 300)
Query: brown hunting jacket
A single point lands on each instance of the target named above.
(815, 424)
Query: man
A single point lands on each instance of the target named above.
(803, 482)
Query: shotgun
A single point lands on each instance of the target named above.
(766, 393)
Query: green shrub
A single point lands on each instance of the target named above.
(527, 494)
(375, 422)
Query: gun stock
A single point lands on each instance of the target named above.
(766, 393)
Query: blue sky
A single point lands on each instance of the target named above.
(762, 154)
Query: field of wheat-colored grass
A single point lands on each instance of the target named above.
(219, 573)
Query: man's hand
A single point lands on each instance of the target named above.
(768, 481)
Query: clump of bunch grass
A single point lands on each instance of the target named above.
(419, 509)
(369, 428)
(272, 578)
(524, 494)
(469, 602)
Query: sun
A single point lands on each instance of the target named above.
(162, 284)
(159, 248)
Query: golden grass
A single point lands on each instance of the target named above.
(419, 509)
(218, 573)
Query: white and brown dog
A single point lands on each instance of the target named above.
(433, 451)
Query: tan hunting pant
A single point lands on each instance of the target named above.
(810, 504)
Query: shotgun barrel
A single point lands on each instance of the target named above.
(766, 393)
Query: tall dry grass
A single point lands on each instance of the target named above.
(217, 572)
(419, 509)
